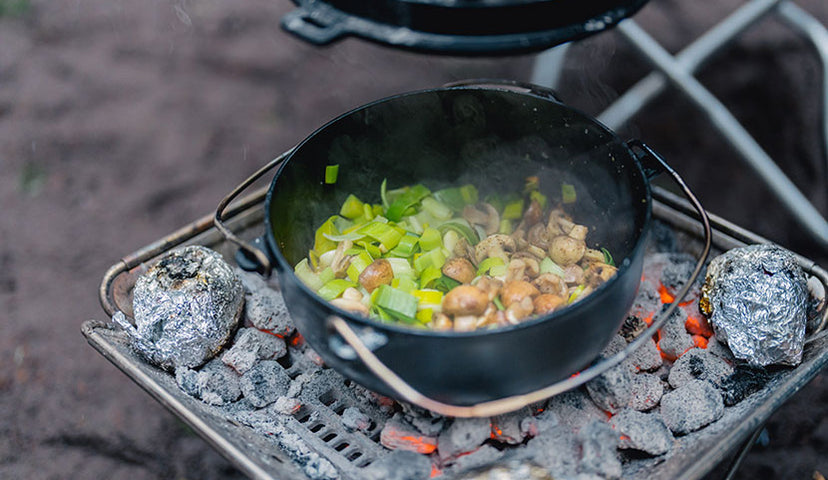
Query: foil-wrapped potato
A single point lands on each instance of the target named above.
(186, 306)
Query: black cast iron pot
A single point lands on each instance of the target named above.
(494, 136)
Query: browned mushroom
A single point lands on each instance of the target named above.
(517, 290)
(547, 303)
(548, 283)
(378, 273)
(519, 310)
(598, 273)
(465, 300)
(496, 245)
(490, 286)
(459, 269)
(539, 236)
(350, 305)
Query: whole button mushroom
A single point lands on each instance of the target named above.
(465, 300)
(517, 290)
(566, 250)
(547, 303)
(459, 269)
(378, 273)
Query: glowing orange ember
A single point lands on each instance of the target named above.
(405, 440)
(297, 340)
(700, 341)
(435, 472)
(697, 325)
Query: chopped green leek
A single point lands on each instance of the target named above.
(405, 283)
(513, 210)
(506, 227)
(436, 208)
(395, 302)
(358, 264)
(410, 197)
(488, 263)
(368, 212)
(498, 303)
(401, 267)
(498, 270)
(462, 228)
(568, 193)
(429, 275)
(576, 293)
(425, 315)
(384, 233)
(428, 297)
(326, 275)
(305, 273)
(445, 284)
(369, 247)
(322, 244)
(548, 266)
(334, 288)
(458, 197)
(539, 197)
(608, 257)
(384, 194)
(433, 258)
(352, 236)
(331, 174)
(352, 207)
(406, 247)
(430, 239)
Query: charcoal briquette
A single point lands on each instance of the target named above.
(353, 419)
(692, 406)
(698, 363)
(264, 383)
(645, 432)
(251, 345)
(598, 450)
(264, 306)
(462, 436)
(743, 382)
(215, 383)
(646, 391)
(399, 465)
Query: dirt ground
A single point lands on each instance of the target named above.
(121, 121)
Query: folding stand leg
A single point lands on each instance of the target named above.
(679, 71)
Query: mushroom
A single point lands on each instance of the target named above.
(547, 303)
(532, 267)
(441, 321)
(515, 270)
(378, 273)
(598, 273)
(459, 269)
(566, 250)
(519, 310)
(549, 283)
(592, 255)
(488, 217)
(574, 274)
(465, 300)
(462, 249)
(350, 305)
(490, 286)
(352, 293)
(539, 236)
(494, 246)
(517, 290)
(341, 262)
(579, 232)
(532, 215)
(465, 323)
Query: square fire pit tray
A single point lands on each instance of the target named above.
(259, 457)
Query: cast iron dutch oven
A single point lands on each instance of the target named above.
(493, 135)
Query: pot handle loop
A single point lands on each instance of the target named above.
(515, 85)
(406, 392)
(253, 254)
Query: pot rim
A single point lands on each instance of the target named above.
(284, 268)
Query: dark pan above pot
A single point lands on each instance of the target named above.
(457, 27)
(493, 136)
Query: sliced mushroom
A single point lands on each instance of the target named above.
(441, 321)
(517, 290)
(352, 293)
(532, 215)
(515, 270)
(539, 236)
(579, 232)
(465, 300)
(465, 323)
(483, 214)
(490, 286)
(462, 249)
(350, 305)
(598, 273)
(379, 272)
(496, 245)
(592, 255)
(574, 274)
(341, 261)
(459, 269)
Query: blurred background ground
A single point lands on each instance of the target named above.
(121, 121)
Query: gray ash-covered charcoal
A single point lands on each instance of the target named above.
(464, 435)
(426, 421)
(646, 391)
(215, 383)
(506, 428)
(511, 469)
(251, 345)
(265, 383)
(399, 465)
(598, 451)
(719, 349)
(187, 306)
(398, 434)
(674, 339)
(699, 364)
(264, 306)
(611, 391)
(645, 358)
(557, 450)
(354, 420)
(485, 455)
(692, 406)
(743, 382)
(645, 432)
(574, 408)
(757, 300)
(676, 272)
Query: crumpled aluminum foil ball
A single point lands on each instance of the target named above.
(186, 308)
(756, 298)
